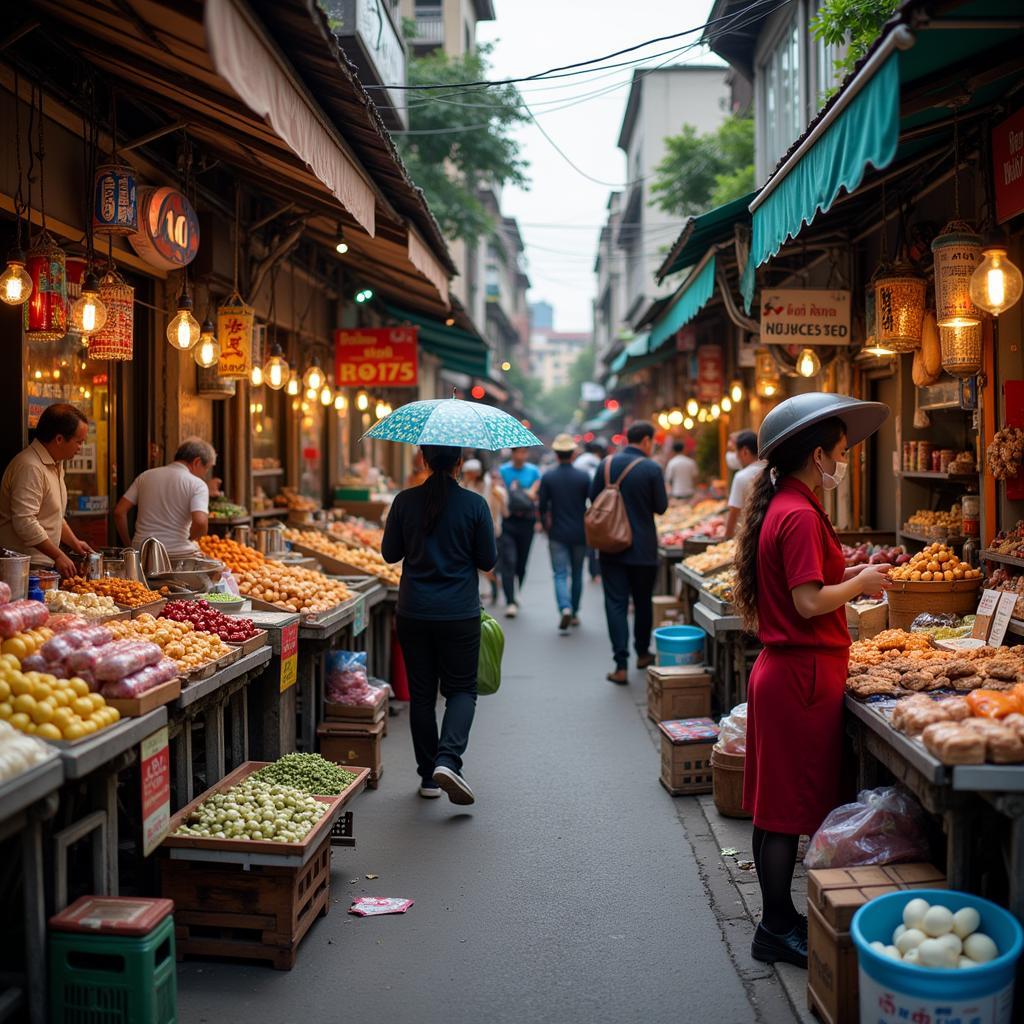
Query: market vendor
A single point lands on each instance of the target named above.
(741, 457)
(33, 497)
(791, 589)
(173, 501)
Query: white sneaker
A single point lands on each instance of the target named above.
(429, 792)
(512, 611)
(454, 785)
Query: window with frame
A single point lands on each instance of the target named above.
(782, 100)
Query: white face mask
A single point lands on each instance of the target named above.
(830, 481)
(732, 460)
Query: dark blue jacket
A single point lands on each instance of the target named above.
(563, 496)
(643, 493)
(439, 574)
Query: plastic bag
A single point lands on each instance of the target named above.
(347, 682)
(732, 731)
(927, 620)
(492, 647)
(883, 826)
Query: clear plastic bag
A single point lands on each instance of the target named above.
(883, 826)
(732, 731)
(347, 682)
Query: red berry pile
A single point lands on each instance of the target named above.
(204, 616)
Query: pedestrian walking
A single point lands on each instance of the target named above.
(563, 503)
(792, 587)
(632, 572)
(588, 461)
(742, 458)
(681, 474)
(489, 486)
(445, 535)
(522, 481)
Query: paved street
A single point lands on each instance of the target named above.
(568, 893)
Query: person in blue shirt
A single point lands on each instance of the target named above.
(522, 481)
(445, 535)
(563, 503)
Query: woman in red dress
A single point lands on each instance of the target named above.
(791, 589)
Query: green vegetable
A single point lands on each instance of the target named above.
(309, 773)
(220, 598)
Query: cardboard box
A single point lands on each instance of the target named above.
(866, 620)
(353, 743)
(833, 897)
(667, 609)
(678, 691)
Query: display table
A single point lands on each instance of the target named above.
(953, 794)
(219, 701)
(26, 801)
(668, 559)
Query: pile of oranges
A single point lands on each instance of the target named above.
(936, 564)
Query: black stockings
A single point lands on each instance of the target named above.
(775, 860)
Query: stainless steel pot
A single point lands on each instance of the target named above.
(198, 574)
(242, 534)
(270, 538)
(14, 572)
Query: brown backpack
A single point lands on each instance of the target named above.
(606, 523)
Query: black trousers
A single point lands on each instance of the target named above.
(620, 583)
(440, 654)
(516, 538)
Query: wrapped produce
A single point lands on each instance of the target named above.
(19, 616)
(139, 682)
(5, 592)
(124, 657)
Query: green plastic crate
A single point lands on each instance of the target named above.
(101, 979)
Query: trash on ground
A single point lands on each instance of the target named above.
(367, 906)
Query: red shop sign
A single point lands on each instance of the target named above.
(709, 373)
(155, 762)
(1008, 166)
(376, 356)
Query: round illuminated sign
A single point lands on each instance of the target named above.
(168, 235)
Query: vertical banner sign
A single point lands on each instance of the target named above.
(805, 316)
(376, 356)
(155, 762)
(710, 378)
(234, 332)
(289, 655)
(1008, 166)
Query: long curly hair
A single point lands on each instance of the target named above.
(790, 456)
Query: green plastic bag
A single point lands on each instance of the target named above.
(492, 647)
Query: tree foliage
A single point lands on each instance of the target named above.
(468, 140)
(699, 172)
(854, 22)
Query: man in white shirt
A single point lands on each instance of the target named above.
(173, 501)
(680, 474)
(741, 457)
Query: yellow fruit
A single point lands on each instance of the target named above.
(115, 715)
(16, 646)
(97, 701)
(20, 720)
(82, 706)
(63, 698)
(63, 717)
(31, 728)
(48, 731)
(24, 702)
(42, 712)
(41, 690)
(21, 684)
(73, 732)
(89, 727)
(10, 660)
(5, 689)
(80, 686)
(6, 710)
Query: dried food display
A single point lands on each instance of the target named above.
(713, 558)
(937, 563)
(361, 558)
(1004, 453)
(126, 593)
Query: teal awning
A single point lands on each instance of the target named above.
(688, 302)
(703, 231)
(459, 351)
(602, 419)
(619, 361)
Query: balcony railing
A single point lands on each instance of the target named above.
(429, 30)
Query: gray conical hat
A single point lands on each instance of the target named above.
(788, 418)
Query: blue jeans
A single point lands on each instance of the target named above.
(622, 582)
(566, 559)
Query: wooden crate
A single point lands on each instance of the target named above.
(350, 713)
(678, 691)
(135, 707)
(686, 755)
(352, 743)
(254, 912)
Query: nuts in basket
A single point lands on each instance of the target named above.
(935, 564)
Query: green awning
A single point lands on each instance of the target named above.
(459, 351)
(703, 231)
(688, 302)
(602, 419)
(619, 361)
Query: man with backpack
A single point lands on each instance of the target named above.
(522, 481)
(621, 526)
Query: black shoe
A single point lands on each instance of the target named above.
(801, 924)
(770, 948)
(563, 622)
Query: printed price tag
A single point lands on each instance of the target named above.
(1001, 619)
(359, 622)
(986, 610)
(289, 655)
(155, 769)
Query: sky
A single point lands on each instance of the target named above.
(561, 215)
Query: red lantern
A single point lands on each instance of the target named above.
(116, 339)
(46, 312)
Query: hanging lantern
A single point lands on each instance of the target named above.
(961, 349)
(769, 381)
(210, 384)
(115, 208)
(115, 340)
(235, 321)
(957, 251)
(899, 307)
(46, 312)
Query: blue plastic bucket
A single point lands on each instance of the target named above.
(679, 645)
(892, 992)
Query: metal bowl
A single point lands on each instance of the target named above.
(198, 574)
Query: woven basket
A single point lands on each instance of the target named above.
(908, 600)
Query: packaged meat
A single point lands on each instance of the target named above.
(59, 647)
(139, 682)
(5, 592)
(19, 616)
(64, 621)
(123, 658)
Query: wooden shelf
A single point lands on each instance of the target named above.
(995, 556)
(914, 535)
(270, 512)
(953, 478)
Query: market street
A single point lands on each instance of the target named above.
(567, 893)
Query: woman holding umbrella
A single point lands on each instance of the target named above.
(792, 586)
(444, 536)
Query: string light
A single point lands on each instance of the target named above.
(88, 312)
(314, 377)
(340, 403)
(326, 395)
(183, 330)
(663, 421)
(996, 283)
(294, 385)
(716, 411)
(15, 282)
(702, 415)
(808, 364)
(506, 366)
(688, 423)
(726, 404)
(379, 410)
(362, 401)
(275, 369)
(256, 376)
(207, 352)
(675, 417)
(692, 407)
(736, 391)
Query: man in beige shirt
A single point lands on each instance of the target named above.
(33, 497)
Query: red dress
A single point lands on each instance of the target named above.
(795, 696)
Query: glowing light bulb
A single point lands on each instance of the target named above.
(675, 417)
(294, 385)
(692, 407)
(340, 404)
(808, 363)
(688, 423)
(726, 404)
(702, 415)
(15, 283)
(879, 351)
(663, 421)
(326, 395)
(736, 392)
(275, 369)
(256, 376)
(716, 411)
(362, 401)
(506, 366)
(311, 394)
(207, 352)
(769, 389)
(996, 283)
(183, 330)
(88, 313)
(314, 377)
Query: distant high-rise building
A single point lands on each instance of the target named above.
(542, 316)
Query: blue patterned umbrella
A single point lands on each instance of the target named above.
(452, 422)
